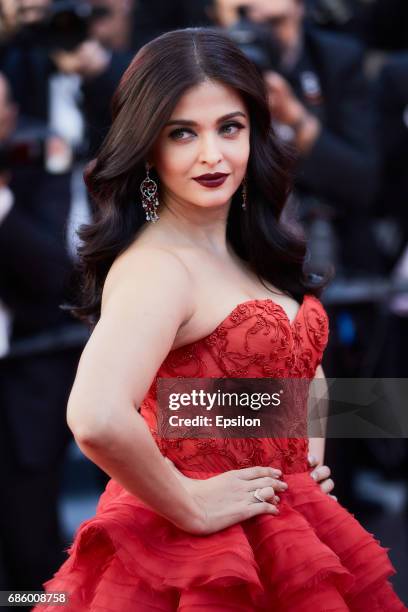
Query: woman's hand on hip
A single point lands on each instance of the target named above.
(228, 498)
(321, 474)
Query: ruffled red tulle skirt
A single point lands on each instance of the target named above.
(313, 557)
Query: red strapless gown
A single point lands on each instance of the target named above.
(313, 557)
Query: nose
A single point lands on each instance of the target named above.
(209, 151)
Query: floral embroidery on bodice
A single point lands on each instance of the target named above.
(255, 340)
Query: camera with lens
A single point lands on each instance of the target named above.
(257, 41)
(64, 25)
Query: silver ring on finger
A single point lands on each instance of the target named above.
(258, 496)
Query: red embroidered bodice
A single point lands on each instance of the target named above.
(255, 340)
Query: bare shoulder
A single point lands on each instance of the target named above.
(146, 299)
(152, 275)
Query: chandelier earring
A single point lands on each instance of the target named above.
(150, 202)
(244, 194)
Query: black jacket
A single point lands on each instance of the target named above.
(342, 166)
(392, 107)
(34, 261)
(34, 271)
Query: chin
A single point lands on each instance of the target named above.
(215, 199)
(214, 203)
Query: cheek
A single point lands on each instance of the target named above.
(175, 160)
(239, 155)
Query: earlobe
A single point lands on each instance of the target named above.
(149, 165)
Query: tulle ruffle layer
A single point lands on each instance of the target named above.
(314, 556)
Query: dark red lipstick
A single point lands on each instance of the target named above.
(211, 180)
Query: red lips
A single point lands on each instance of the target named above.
(210, 177)
(211, 180)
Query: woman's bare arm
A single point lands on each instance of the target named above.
(317, 445)
(146, 299)
(321, 472)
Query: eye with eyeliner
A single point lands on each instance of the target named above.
(175, 134)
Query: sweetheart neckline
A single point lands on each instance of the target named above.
(250, 301)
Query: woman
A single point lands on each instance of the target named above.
(191, 130)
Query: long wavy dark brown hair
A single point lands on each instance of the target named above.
(143, 102)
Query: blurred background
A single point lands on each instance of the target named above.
(337, 78)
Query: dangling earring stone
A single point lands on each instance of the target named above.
(150, 202)
(244, 194)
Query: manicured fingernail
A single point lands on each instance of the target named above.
(313, 475)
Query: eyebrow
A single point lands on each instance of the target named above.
(193, 123)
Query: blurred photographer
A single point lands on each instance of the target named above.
(392, 132)
(39, 353)
(76, 47)
(322, 94)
